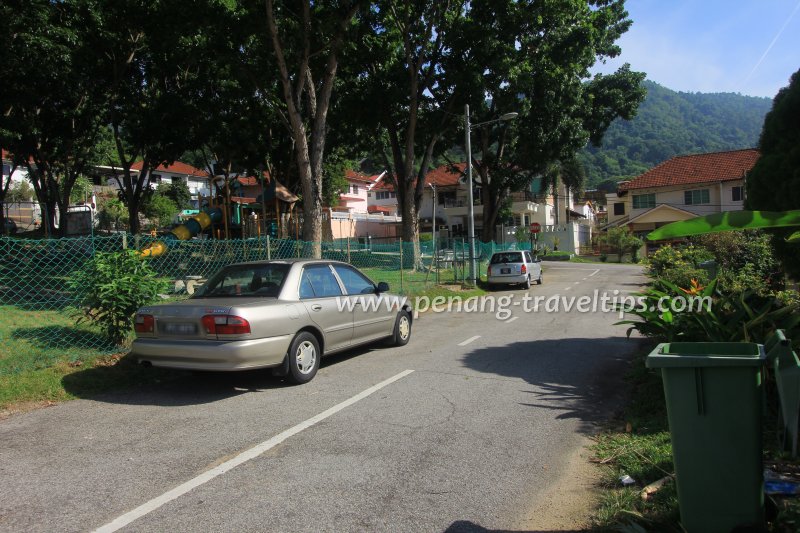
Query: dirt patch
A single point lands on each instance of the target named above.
(24, 407)
(569, 503)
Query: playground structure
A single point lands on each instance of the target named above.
(233, 213)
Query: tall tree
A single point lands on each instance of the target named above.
(159, 55)
(307, 40)
(774, 182)
(53, 94)
(535, 59)
(403, 69)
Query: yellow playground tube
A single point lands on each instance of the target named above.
(184, 232)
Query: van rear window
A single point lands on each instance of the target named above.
(507, 257)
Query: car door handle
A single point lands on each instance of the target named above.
(316, 307)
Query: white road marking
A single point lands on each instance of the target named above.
(243, 457)
(568, 288)
(471, 339)
(512, 319)
(595, 272)
(576, 282)
(584, 279)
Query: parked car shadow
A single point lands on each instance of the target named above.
(467, 526)
(579, 377)
(127, 382)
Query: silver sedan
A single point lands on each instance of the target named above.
(279, 314)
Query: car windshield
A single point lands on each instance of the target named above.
(507, 257)
(245, 280)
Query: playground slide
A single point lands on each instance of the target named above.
(184, 232)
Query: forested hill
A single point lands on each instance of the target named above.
(673, 123)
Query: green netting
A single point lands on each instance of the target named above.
(38, 307)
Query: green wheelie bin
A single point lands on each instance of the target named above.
(713, 393)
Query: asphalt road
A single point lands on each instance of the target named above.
(467, 440)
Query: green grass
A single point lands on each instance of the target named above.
(640, 447)
(45, 357)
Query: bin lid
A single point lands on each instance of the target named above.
(705, 354)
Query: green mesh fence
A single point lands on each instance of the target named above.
(38, 307)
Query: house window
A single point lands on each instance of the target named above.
(736, 194)
(6, 170)
(696, 197)
(175, 181)
(619, 208)
(644, 201)
(446, 197)
(354, 188)
(155, 178)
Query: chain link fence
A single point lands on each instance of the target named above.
(38, 305)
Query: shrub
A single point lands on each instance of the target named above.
(113, 285)
(746, 260)
(622, 241)
(732, 317)
(679, 266)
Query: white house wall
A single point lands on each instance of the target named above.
(720, 198)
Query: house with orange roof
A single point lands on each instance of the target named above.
(554, 212)
(197, 180)
(367, 209)
(681, 188)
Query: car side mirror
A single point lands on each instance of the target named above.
(382, 287)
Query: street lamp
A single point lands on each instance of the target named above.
(471, 206)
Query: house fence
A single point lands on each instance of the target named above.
(38, 300)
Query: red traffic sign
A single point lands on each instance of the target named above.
(536, 227)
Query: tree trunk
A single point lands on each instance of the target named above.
(410, 232)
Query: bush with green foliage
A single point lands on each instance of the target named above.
(21, 191)
(113, 285)
(731, 316)
(746, 260)
(178, 192)
(112, 212)
(82, 190)
(621, 241)
(680, 265)
(160, 209)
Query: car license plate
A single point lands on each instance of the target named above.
(505, 271)
(180, 329)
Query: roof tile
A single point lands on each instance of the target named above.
(698, 168)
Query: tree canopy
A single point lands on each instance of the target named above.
(774, 182)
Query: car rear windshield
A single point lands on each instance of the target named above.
(507, 257)
(245, 280)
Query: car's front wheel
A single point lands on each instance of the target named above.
(402, 328)
(304, 358)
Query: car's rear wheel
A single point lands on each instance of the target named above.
(304, 358)
(540, 280)
(402, 328)
(527, 283)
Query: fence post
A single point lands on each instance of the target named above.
(269, 252)
(401, 265)
(348, 248)
(124, 241)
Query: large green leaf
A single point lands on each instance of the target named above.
(728, 221)
(794, 237)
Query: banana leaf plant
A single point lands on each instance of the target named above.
(730, 221)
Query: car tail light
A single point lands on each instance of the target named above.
(144, 324)
(523, 269)
(225, 325)
(489, 270)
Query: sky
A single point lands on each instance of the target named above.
(750, 47)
